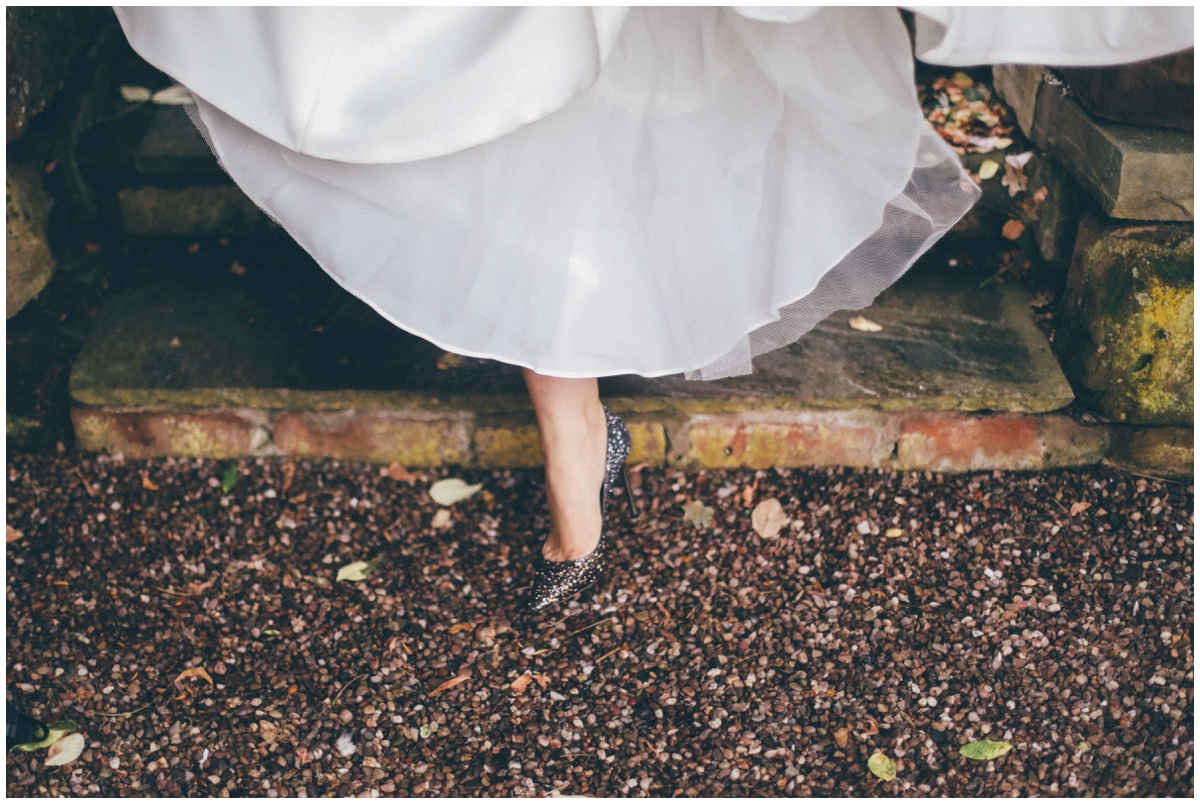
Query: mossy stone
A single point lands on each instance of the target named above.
(1126, 336)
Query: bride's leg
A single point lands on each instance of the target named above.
(573, 433)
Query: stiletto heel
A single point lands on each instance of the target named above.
(556, 581)
(633, 509)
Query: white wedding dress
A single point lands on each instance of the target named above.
(598, 191)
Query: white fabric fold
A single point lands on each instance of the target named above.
(597, 192)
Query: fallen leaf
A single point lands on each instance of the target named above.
(193, 672)
(1083, 746)
(748, 492)
(426, 731)
(268, 730)
(882, 766)
(988, 169)
(768, 518)
(454, 629)
(892, 533)
(452, 489)
(230, 478)
(449, 360)
(397, 472)
(1013, 229)
(135, 94)
(1019, 161)
(54, 733)
(450, 683)
(358, 570)
(842, 737)
(521, 682)
(1014, 179)
(985, 749)
(148, 484)
(698, 514)
(11, 534)
(1079, 507)
(441, 519)
(864, 324)
(542, 679)
(174, 95)
(65, 750)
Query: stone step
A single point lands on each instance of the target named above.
(275, 359)
(1133, 172)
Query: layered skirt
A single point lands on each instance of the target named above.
(589, 192)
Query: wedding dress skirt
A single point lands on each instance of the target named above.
(588, 192)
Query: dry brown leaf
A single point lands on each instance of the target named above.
(1013, 229)
(748, 492)
(864, 324)
(768, 518)
(521, 682)
(147, 483)
(193, 672)
(268, 730)
(1079, 507)
(451, 683)
(1014, 179)
(842, 737)
(11, 534)
(454, 629)
(397, 472)
(542, 679)
(289, 472)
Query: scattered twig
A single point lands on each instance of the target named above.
(593, 625)
(343, 689)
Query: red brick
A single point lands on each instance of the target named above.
(152, 434)
(958, 443)
(759, 440)
(409, 437)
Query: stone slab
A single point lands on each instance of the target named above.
(1156, 92)
(1137, 173)
(214, 339)
(141, 433)
(1133, 172)
(190, 211)
(174, 151)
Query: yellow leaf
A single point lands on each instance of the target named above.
(892, 533)
(864, 324)
(988, 169)
(882, 766)
(698, 514)
(452, 489)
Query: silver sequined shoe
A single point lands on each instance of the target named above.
(555, 581)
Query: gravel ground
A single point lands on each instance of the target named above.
(714, 662)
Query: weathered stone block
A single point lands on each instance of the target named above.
(1163, 451)
(42, 43)
(382, 436)
(28, 261)
(1126, 333)
(1138, 173)
(202, 210)
(150, 434)
(1057, 224)
(1019, 85)
(513, 441)
(1155, 92)
(762, 439)
(174, 150)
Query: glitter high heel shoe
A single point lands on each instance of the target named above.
(555, 581)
